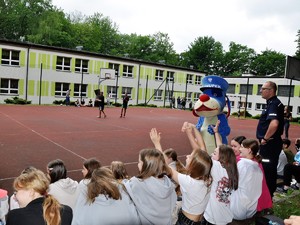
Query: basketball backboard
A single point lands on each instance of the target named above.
(106, 73)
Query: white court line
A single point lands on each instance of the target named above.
(78, 170)
(39, 134)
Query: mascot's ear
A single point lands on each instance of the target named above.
(195, 114)
(228, 106)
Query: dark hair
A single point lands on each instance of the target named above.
(118, 169)
(171, 153)
(227, 159)
(103, 182)
(91, 164)
(200, 166)
(153, 164)
(254, 146)
(286, 142)
(57, 170)
(239, 139)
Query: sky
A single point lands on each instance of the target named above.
(257, 24)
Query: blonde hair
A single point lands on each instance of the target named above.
(37, 181)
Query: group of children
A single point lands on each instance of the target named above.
(228, 185)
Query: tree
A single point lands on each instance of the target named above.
(20, 18)
(237, 60)
(204, 54)
(268, 62)
(298, 45)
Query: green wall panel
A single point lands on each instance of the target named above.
(297, 91)
(91, 64)
(54, 58)
(21, 87)
(22, 58)
(72, 64)
(32, 60)
(31, 85)
(237, 89)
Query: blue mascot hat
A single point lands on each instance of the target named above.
(214, 81)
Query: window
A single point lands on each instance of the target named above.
(9, 86)
(61, 89)
(196, 96)
(81, 65)
(111, 90)
(63, 63)
(298, 110)
(198, 80)
(188, 96)
(168, 96)
(260, 106)
(231, 89)
(232, 104)
(78, 90)
(258, 90)
(243, 89)
(126, 90)
(10, 57)
(159, 75)
(189, 79)
(114, 67)
(170, 76)
(158, 95)
(284, 90)
(127, 71)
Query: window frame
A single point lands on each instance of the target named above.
(65, 65)
(127, 71)
(158, 95)
(12, 87)
(198, 79)
(83, 67)
(77, 90)
(10, 59)
(189, 78)
(64, 87)
(159, 75)
(127, 90)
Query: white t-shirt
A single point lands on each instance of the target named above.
(195, 194)
(218, 207)
(244, 200)
(282, 161)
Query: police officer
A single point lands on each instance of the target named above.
(269, 131)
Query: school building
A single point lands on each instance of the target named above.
(42, 74)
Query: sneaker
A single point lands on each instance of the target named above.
(281, 190)
(294, 187)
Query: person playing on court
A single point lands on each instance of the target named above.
(100, 99)
(124, 106)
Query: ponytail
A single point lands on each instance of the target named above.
(51, 210)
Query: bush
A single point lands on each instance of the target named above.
(59, 102)
(17, 100)
(256, 117)
(242, 113)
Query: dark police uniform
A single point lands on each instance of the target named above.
(271, 150)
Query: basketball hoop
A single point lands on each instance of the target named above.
(107, 76)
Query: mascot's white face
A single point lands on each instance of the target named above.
(210, 103)
(206, 107)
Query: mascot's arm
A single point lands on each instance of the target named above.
(224, 128)
(200, 123)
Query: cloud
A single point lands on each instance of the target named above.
(261, 25)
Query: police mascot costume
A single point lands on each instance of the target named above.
(209, 108)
